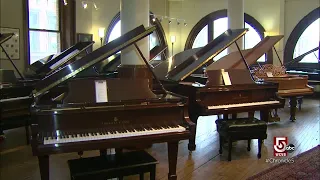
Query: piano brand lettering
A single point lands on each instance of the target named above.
(281, 147)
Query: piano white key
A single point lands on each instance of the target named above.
(99, 136)
(242, 104)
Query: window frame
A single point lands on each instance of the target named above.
(67, 26)
(208, 20)
(159, 31)
(295, 35)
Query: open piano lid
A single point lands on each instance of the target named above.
(202, 56)
(91, 59)
(5, 37)
(64, 57)
(234, 59)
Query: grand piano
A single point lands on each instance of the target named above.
(100, 113)
(207, 93)
(290, 86)
(14, 92)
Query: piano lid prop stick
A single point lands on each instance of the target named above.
(277, 56)
(148, 65)
(15, 67)
(244, 60)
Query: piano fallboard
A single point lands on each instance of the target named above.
(238, 98)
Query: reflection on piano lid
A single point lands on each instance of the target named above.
(60, 60)
(178, 69)
(234, 59)
(91, 59)
(112, 63)
(30, 71)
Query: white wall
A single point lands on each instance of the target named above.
(276, 16)
(11, 15)
(90, 20)
(295, 10)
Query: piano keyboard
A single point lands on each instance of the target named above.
(59, 137)
(242, 104)
(15, 99)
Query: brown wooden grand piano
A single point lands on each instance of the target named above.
(101, 113)
(208, 95)
(290, 86)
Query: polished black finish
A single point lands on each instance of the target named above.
(57, 62)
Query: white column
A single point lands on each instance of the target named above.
(134, 13)
(236, 19)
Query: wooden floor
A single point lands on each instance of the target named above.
(17, 162)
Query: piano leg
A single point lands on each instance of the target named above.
(225, 116)
(234, 116)
(264, 115)
(293, 108)
(172, 158)
(192, 140)
(251, 114)
(103, 152)
(44, 167)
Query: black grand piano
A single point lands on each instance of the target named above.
(14, 92)
(100, 113)
(208, 93)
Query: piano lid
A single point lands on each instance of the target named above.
(64, 57)
(203, 55)
(5, 37)
(234, 59)
(91, 59)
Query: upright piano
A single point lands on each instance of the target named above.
(290, 86)
(206, 92)
(101, 113)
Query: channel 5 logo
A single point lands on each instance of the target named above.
(281, 146)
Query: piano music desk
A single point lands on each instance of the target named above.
(113, 166)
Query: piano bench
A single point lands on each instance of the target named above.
(241, 129)
(113, 166)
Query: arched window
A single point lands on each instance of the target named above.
(157, 38)
(212, 25)
(303, 38)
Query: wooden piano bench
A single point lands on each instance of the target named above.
(241, 129)
(113, 166)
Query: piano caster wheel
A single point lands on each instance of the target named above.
(220, 151)
(259, 156)
(248, 148)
